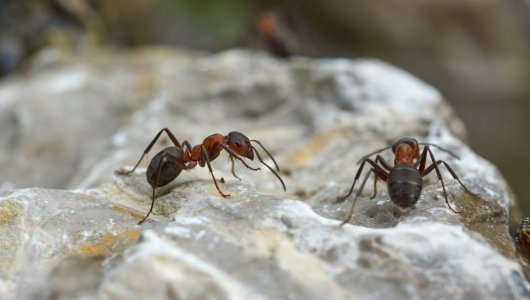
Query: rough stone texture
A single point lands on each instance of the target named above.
(72, 120)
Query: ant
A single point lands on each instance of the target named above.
(167, 164)
(269, 31)
(405, 179)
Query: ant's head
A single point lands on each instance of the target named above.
(267, 24)
(406, 151)
(240, 144)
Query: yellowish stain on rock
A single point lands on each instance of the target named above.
(301, 155)
(9, 212)
(212, 191)
(11, 236)
(127, 210)
(94, 250)
(104, 245)
(101, 247)
(131, 235)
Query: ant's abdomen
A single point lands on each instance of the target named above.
(168, 172)
(404, 185)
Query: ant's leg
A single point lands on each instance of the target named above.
(377, 169)
(350, 213)
(379, 159)
(171, 137)
(186, 150)
(431, 167)
(179, 162)
(187, 145)
(263, 147)
(205, 157)
(357, 175)
(249, 167)
(234, 155)
(155, 183)
(233, 165)
(268, 167)
(375, 187)
(423, 159)
(378, 174)
(165, 159)
(434, 166)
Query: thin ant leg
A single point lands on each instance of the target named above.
(379, 159)
(427, 150)
(377, 168)
(233, 165)
(431, 167)
(164, 160)
(187, 145)
(378, 174)
(270, 156)
(350, 213)
(171, 137)
(423, 159)
(233, 154)
(205, 157)
(155, 183)
(375, 188)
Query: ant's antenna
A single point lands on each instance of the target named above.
(262, 147)
(271, 169)
(372, 153)
(440, 148)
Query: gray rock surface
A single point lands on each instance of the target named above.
(70, 121)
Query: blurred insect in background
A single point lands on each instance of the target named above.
(271, 31)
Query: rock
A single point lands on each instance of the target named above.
(521, 239)
(317, 118)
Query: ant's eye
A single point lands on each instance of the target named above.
(238, 143)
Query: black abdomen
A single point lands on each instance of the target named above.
(404, 185)
(169, 170)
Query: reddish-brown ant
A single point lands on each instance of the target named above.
(269, 26)
(168, 163)
(405, 179)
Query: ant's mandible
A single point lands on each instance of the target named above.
(405, 179)
(167, 164)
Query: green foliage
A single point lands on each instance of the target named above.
(226, 19)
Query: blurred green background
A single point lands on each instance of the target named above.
(475, 52)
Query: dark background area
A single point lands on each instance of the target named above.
(475, 52)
